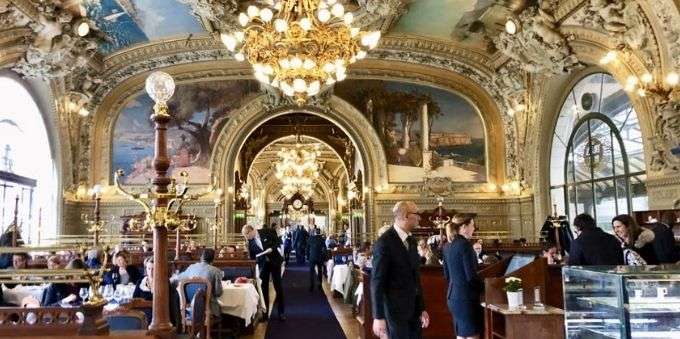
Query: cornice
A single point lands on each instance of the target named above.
(670, 180)
(447, 48)
(566, 8)
(159, 48)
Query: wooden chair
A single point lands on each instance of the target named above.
(198, 315)
(187, 289)
(126, 320)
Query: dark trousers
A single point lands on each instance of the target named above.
(404, 329)
(286, 253)
(313, 275)
(273, 270)
(300, 255)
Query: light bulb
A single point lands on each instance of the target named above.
(253, 11)
(361, 54)
(511, 26)
(243, 19)
(672, 78)
(348, 18)
(646, 78)
(82, 28)
(324, 15)
(296, 62)
(229, 41)
(305, 24)
(280, 25)
(330, 81)
(266, 15)
(641, 92)
(83, 112)
(354, 31)
(299, 85)
(341, 76)
(328, 67)
(284, 63)
(338, 10)
(239, 57)
(160, 86)
(308, 64)
(314, 88)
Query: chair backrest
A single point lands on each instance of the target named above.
(187, 289)
(124, 320)
(198, 312)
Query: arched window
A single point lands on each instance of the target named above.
(25, 160)
(597, 161)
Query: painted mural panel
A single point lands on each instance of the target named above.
(446, 139)
(199, 112)
(127, 22)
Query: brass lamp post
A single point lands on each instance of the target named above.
(97, 225)
(162, 206)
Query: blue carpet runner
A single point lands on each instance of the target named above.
(309, 313)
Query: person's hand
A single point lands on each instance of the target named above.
(69, 299)
(424, 319)
(380, 328)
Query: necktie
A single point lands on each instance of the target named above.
(407, 242)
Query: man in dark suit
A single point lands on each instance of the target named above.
(264, 247)
(316, 253)
(287, 243)
(593, 245)
(300, 243)
(396, 293)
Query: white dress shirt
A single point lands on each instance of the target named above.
(402, 235)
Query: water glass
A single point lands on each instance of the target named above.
(117, 296)
(84, 293)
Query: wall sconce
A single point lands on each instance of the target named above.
(646, 85)
(611, 56)
(512, 26)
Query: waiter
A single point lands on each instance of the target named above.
(264, 247)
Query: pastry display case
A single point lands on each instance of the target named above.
(622, 301)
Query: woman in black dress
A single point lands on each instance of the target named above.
(464, 285)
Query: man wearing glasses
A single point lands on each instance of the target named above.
(396, 292)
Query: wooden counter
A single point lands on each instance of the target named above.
(503, 323)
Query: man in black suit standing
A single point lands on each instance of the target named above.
(593, 246)
(264, 247)
(316, 253)
(300, 243)
(396, 293)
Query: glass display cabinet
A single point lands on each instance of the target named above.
(622, 301)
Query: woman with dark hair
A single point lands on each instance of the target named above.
(460, 270)
(634, 238)
(122, 272)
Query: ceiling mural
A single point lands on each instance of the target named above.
(450, 19)
(128, 22)
(199, 112)
(447, 140)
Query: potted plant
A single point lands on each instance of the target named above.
(513, 287)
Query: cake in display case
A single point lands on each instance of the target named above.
(622, 301)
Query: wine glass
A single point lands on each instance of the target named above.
(108, 292)
(84, 293)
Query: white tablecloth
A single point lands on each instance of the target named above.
(340, 273)
(18, 293)
(329, 269)
(239, 300)
(360, 292)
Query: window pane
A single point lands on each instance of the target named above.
(587, 93)
(638, 193)
(582, 153)
(618, 157)
(570, 168)
(601, 148)
(571, 199)
(557, 162)
(614, 99)
(584, 198)
(557, 198)
(622, 195)
(605, 203)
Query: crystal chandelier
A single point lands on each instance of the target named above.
(298, 170)
(299, 45)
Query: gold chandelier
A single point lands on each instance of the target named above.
(299, 45)
(298, 170)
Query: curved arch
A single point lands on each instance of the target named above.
(255, 113)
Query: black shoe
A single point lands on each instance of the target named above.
(265, 317)
(282, 317)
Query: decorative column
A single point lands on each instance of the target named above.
(425, 137)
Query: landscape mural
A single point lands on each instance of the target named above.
(127, 22)
(453, 145)
(199, 112)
